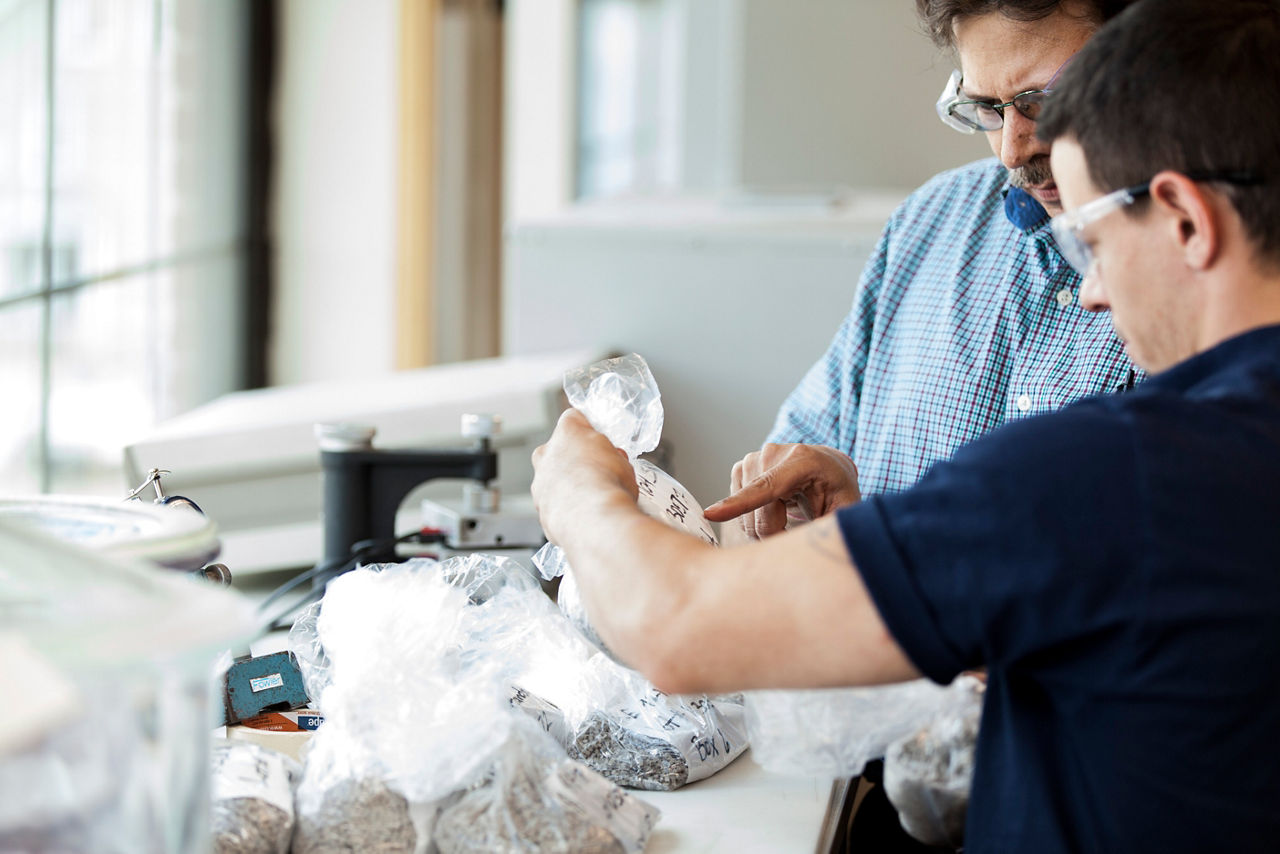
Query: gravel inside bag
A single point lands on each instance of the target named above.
(628, 758)
(357, 815)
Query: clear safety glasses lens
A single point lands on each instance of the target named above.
(951, 96)
(1067, 227)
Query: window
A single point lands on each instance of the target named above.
(620, 95)
(122, 228)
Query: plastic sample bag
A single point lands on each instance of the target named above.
(637, 736)
(834, 732)
(414, 665)
(927, 775)
(358, 813)
(533, 799)
(620, 398)
(621, 725)
(252, 799)
(410, 712)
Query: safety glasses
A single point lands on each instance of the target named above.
(1068, 227)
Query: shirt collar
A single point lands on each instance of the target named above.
(1023, 210)
(1253, 347)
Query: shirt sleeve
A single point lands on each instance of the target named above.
(823, 408)
(1016, 548)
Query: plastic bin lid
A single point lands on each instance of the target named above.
(170, 535)
(88, 609)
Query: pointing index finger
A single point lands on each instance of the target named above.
(753, 496)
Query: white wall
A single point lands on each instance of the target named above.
(842, 91)
(334, 223)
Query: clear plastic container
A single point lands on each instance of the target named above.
(108, 698)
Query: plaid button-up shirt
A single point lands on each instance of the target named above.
(966, 316)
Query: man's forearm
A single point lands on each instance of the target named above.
(787, 611)
(637, 576)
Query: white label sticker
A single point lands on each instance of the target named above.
(626, 816)
(262, 683)
(243, 770)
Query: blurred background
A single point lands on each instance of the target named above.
(199, 197)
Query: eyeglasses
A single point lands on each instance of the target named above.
(1067, 227)
(970, 116)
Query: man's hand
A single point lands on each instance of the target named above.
(781, 482)
(574, 472)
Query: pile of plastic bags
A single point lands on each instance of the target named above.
(412, 666)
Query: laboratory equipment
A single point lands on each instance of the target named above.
(104, 732)
(250, 457)
(175, 537)
(364, 487)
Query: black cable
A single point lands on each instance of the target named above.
(318, 569)
(333, 568)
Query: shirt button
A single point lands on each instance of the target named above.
(1065, 297)
(1024, 402)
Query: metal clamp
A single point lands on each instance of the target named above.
(153, 479)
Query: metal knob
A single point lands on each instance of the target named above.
(345, 436)
(216, 573)
(477, 425)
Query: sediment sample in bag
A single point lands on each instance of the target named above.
(362, 815)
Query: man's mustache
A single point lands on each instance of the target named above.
(1033, 174)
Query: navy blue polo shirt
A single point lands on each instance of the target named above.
(1116, 567)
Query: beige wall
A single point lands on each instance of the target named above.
(803, 94)
(842, 91)
(333, 223)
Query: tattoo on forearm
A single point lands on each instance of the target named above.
(827, 540)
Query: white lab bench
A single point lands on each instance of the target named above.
(746, 809)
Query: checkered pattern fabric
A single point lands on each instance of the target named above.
(967, 316)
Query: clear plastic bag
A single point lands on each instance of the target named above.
(834, 732)
(411, 706)
(416, 663)
(252, 799)
(927, 775)
(533, 799)
(620, 398)
(639, 737)
(617, 722)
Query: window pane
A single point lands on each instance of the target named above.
(139, 257)
(200, 108)
(22, 143)
(20, 390)
(620, 76)
(128, 353)
(102, 388)
(199, 332)
(104, 140)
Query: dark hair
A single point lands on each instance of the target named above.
(939, 16)
(1183, 85)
